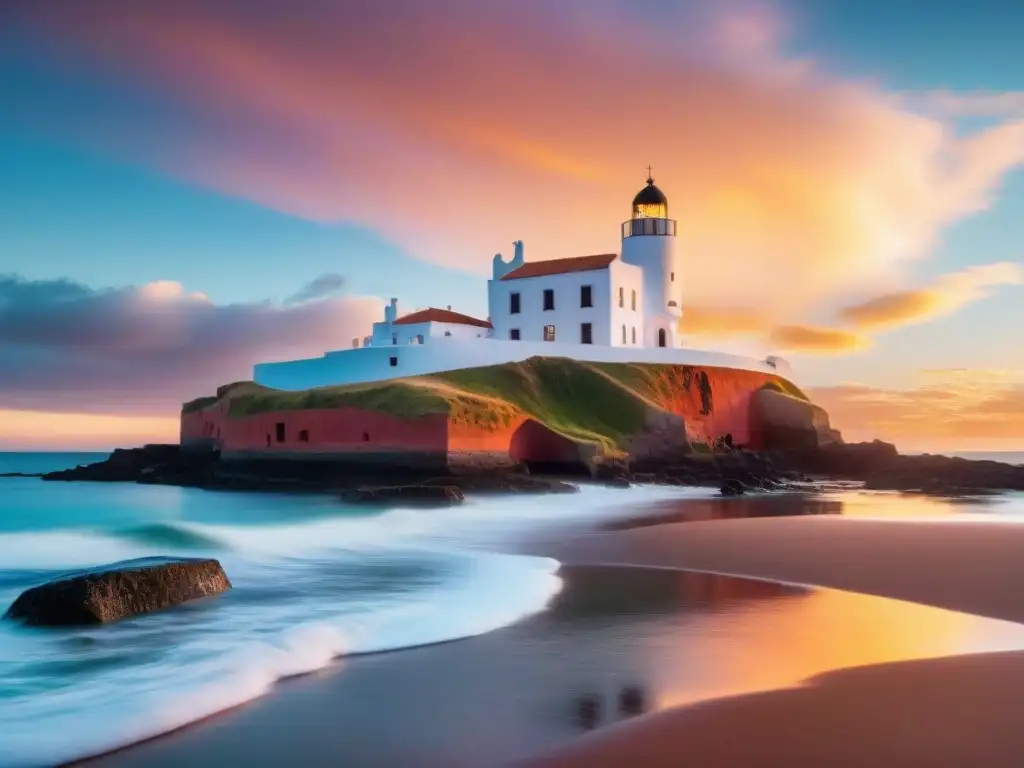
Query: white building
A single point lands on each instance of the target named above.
(601, 308)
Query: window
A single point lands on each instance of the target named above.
(447, 333)
(513, 334)
(672, 276)
(419, 338)
(513, 303)
(303, 435)
(549, 333)
(623, 334)
(633, 300)
(394, 338)
(366, 437)
(549, 298)
(279, 428)
(622, 296)
(586, 333)
(662, 338)
(634, 334)
(393, 361)
(586, 296)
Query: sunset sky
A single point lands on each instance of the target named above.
(189, 187)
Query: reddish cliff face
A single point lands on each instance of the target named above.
(711, 402)
(320, 430)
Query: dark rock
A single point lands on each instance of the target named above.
(445, 494)
(21, 474)
(947, 476)
(790, 423)
(853, 461)
(588, 711)
(618, 482)
(732, 487)
(118, 591)
(631, 701)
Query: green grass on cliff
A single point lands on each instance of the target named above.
(572, 398)
(604, 403)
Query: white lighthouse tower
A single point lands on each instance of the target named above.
(649, 242)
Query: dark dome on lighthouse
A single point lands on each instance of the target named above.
(650, 202)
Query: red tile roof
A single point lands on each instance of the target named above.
(432, 315)
(562, 266)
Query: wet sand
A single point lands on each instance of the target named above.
(733, 672)
(938, 712)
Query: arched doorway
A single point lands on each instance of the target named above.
(662, 338)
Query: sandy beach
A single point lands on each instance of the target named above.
(735, 672)
(936, 712)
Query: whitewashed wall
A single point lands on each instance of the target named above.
(389, 334)
(630, 279)
(567, 316)
(366, 364)
(662, 270)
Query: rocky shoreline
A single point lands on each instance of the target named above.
(734, 471)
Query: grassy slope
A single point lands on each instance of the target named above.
(588, 402)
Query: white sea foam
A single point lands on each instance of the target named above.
(305, 593)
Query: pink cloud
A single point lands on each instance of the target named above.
(143, 351)
(455, 127)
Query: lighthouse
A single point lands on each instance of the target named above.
(649, 242)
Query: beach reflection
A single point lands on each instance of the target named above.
(695, 636)
(616, 643)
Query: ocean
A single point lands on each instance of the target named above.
(313, 580)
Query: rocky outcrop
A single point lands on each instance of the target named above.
(947, 476)
(786, 422)
(851, 461)
(733, 471)
(416, 494)
(170, 465)
(118, 591)
(163, 464)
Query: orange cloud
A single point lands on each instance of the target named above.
(723, 321)
(803, 338)
(455, 127)
(949, 293)
(958, 409)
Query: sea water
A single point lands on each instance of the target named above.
(313, 579)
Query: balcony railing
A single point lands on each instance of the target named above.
(636, 227)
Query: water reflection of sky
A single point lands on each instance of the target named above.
(1003, 507)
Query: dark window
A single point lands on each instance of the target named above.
(394, 338)
(622, 297)
(447, 333)
(633, 300)
(549, 333)
(393, 361)
(513, 303)
(366, 437)
(279, 427)
(549, 298)
(514, 334)
(662, 338)
(623, 334)
(634, 334)
(586, 296)
(268, 439)
(303, 435)
(419, 338)
(672, 276)
(586, 333)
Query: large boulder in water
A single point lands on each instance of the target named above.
(118, 591)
